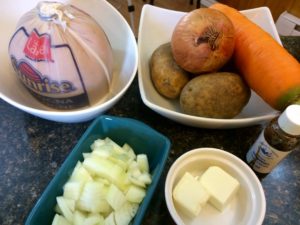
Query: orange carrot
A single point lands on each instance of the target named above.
(267, 67)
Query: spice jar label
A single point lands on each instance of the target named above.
(262, 157)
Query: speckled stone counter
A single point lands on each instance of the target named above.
(32, 150)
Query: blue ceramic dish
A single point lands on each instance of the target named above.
(142, 138)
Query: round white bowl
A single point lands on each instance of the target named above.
(119, 34)
(249, 204)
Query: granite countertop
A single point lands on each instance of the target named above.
(32, 150)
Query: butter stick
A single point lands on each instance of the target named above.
(221, 186)
(189, 195)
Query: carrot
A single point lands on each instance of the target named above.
(267, 67)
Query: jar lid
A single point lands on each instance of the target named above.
(289, 120)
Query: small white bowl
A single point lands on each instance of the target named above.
(156, 27)
(248, 206)
(119, 34)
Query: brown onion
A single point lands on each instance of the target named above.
(203, 40)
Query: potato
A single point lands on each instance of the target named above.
(168, 78)
(215, 95)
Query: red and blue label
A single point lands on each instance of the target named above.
(60, 94)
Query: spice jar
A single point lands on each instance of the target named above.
(276, 141)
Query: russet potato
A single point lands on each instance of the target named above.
(168, 78)
(215, 95)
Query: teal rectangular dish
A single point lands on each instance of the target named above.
(141, 137)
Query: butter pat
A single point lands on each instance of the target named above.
(189, 195)
(221, 186)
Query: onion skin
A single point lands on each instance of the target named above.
(203, 41)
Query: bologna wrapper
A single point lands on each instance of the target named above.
(62, 56)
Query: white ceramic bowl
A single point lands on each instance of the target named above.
(156, 27)
(124, 49)
(246, 208)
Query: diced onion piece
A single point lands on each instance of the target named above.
(122, 159)
(135, 194)
(116, 147)
(65, 208)
(101, 154)
(106, 169)
(125, 214)
(110, 219)
(78, 218)
(80, 174)
(129, 151)
(115, 197)
(102, 180)
(93, 219)
(142, 162)
(57, 209)
(60, 220)
(72, 190)
(136, 181)
(86, 155)
(97, 143)
(145, 178)
(92, 198)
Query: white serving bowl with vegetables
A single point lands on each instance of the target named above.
(156, 28)
(108, 178)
